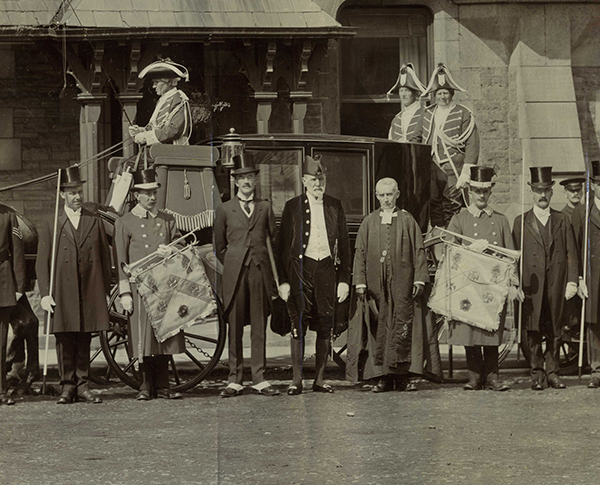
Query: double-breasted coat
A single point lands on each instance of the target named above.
(294, 233)
(493, 227)
(563, 267)
(83, 273)
(12, 259)
(389, 259)
(238, 237)
(137, 235)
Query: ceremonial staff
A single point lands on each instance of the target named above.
(520, 322)
(51, 287)
(585, 256)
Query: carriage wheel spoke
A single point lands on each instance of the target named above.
(131, 362)
(193, 359)
(175, 372)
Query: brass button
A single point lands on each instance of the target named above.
(384, 252)
(306, 233)
(493, 233)
(304, 245)
(146, 246)
(144, 235)
(308, 221)
(475, 224)
(160, 234)
(381, 260)
(143, 225)
(308, 211)
(475, 234)
(300, 256)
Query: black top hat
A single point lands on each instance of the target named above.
(541, 177)
(595, 175)
(69, 177)
(145, 180)
(243, 163)
(573, 183)
(313, 166)
(481, 176)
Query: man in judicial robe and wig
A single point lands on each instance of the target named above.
(390, 267)
(410, 88)
(171, 121)
(489, 228)
(451, 131)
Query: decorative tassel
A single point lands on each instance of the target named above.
(187, 190)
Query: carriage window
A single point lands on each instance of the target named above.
(279, 175)
(347, 178)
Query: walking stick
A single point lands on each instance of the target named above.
(585, 256)
(51, 287)
(520, 320)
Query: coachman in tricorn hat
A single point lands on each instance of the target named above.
(489, 228)
(314, 261)
(171, 121)
(550, 278)
(451, 131)
(242, 226)
(81, 284)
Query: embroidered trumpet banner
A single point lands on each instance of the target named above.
(176, 293)
(471, 287)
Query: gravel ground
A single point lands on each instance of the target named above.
(440, 434)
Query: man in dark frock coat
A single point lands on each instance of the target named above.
(550, 277)
(12, 284)
(242, 226)
(81, 284)
(314, 269)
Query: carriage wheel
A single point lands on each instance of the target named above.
(100, 371)
(204, 346)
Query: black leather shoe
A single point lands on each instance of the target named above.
(472, 386)
(168, 394)
(324, 388)
(537, 386)
(294, 390)
(65, 398)
(496, 385)
(385, 384)
(594, 383)
(556, 383)
(230, 392)
(7, 400)
(144, 395)
(87, 396)
(266, 391)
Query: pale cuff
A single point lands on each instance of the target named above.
(260, 386)
(124, 287)
(151, 138)
(235, 386)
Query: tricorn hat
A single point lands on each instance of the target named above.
(573, 184)
(313, 166)
(243, 163)
(145, 180)
(481, 176)
(407, 78)
(541, 177)
(442, 79)
(70, 177)
(595, 175)
(164, 68)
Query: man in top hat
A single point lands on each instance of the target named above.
(314, 261)
(139, 233)
(12, 284)
(171, 121)
(242, 226)
(549, 279)
(574, 191)
(410, 89)
(451, 131)
(489, 228)
(81, 284)
(390, 265)
(590, 242)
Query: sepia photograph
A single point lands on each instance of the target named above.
(299, 242)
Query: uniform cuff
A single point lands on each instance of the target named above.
(124, 287)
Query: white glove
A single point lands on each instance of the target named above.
(516, 293)
(465, 176)
(140, 138)
(127, 302)
(582, 290)
(48, 304)
(343, 290)
(571, 290)
(418, 288)
(284, 291)
(134, 130)
(480, 245)
(18, 295)
(163, 250)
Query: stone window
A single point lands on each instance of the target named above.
(370, 61)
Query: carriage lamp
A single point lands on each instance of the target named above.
(232, 146)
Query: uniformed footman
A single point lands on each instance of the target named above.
(410, 89)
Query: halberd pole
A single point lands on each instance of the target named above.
(585, 255)
(520, 320)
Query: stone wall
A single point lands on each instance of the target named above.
(31, 95)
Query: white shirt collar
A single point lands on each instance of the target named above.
(477, 212)
(542, 214)
(142, 213)
(71, 213)
(313, 200)
(411, 108)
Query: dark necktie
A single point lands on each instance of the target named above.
(247, 205)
